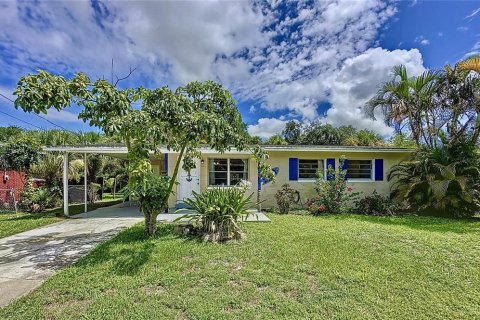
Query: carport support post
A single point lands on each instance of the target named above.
(85, 195)
(65, 184)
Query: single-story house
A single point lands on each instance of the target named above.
(367, 168)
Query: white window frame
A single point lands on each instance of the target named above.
(228, 171)
(372, 173)
(311, 179)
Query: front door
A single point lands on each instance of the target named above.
(188, 183)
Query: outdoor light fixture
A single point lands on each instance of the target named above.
(5, 178)
(202, 161)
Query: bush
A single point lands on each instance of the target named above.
(333, 194)
(216, 212)
(285, 197)
(37, 200)
(376, 205)
(439, 181)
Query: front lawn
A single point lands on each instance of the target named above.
(13, 223)
(297, 267)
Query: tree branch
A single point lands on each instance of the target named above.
(124, 78)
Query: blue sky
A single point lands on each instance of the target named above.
(282, 60)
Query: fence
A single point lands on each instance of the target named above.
(8, 200)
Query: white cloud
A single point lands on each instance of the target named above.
(462, 28)
(252, 109)
(359, 80)
(291, 64)
(440, 34)
(422, 40)
(473, 13)
(266, 127)
(473, 52)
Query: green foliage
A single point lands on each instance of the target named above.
(9, 133)
(376, 205)
(181, 120)
(317, 133)
(364, 137)
(217, 212)
(149, 190)
(439, 181)
(55, 137)
(36, 200)
(293, 132)
(276, 140)
(400, 140)
(18, 155)
(333, 194)
(285, 197)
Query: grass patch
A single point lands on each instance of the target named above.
(13, 223)
(297, 267)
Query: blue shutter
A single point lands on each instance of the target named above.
(378, 169)
(293, 169)
(330, 163)
(165, 160)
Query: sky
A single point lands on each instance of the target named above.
(282, 60)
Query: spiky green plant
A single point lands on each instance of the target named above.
(437, 181)
(216, 213)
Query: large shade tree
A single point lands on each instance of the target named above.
(180, 120)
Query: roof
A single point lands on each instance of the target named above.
(122, 150)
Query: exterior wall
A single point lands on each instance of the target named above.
(252, 171)
(16, 182)
(280, 159)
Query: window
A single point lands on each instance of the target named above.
(307, 169)
(227, 172)
(359, 169)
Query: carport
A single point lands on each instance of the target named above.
(118, 151)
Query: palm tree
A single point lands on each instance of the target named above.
(470, 64)
(407, 100)
(50, 168)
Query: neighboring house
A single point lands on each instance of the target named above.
(367, 168)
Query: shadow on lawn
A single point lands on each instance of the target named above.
(128, 251)
(424, 223)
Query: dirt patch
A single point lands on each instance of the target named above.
(56, 310)
(153, 289)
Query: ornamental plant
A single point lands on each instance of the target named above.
(285, 197)
(216, 213)
(333, 194)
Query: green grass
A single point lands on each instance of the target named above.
(13, 223)
(297, 267)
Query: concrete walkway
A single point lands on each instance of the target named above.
(29, 258)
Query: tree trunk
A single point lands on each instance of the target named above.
(150, 223)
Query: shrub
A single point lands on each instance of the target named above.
(151, 193)
(376, 205)
(37, 200)
(216, 213)
(333, 194)
(285, 197)
(440, 181)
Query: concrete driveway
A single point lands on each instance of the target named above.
(29, 258)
